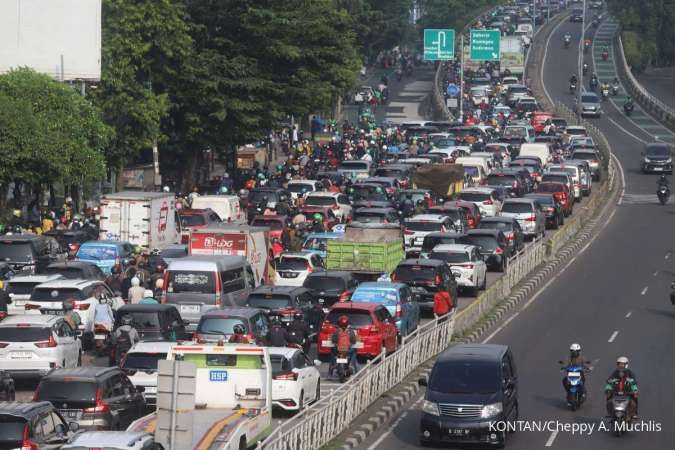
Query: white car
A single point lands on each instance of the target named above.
(422, 224)
(528, 213)
(21, 287)
(466, 264)
(112, 440)
(300, 188)
(486, 198)
(294, 267)
(48, 298)
(295, 379)
(338, 202)
(33, 345)
(140, 365)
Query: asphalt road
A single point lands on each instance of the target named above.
(612, 299)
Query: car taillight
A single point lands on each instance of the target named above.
(26, 443)
(550, 209)
(393, 276)
(81, 306)
(510, 236)
(408, 232)
(344, 297)
(29, 306)
(437, 280)
(536, 174)
(398, 311)
(335, 207)
(101, 406)
(499, 251)
(532, 218)
(47, 344)
(488, 202)
(36, 396)
(469, 266)
(310, 269)
(3, 344)
(286, 376)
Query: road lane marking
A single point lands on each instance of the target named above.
(551, 438)
(388, 432)
(630, 313)
(613, 336)
(644, 291)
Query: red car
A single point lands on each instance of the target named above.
(195, 218)
(539, 119)
(329, 217)
(374, 325)
(560, 192)
(472, 213)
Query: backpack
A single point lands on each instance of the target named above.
(123, 342)
(343, 341)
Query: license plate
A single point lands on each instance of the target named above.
(190, 309)
(150, 389)
(657, 169)
(72, 414)
(341, 360)
(458, 431)
(573, 374)
(22, 355)
(52, 312)
(321, 301)
(101, 337)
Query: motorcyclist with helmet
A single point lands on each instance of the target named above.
(298, 332)
(344, 336)
(239, 335)
(278, 335)
(419, 207)
(408, 205)
(663, 181)
(622, 382)
(567, 38)
(123, 339)
(317, 223)
(573, 80)
(594, 81)
(71, 316)
(628, 104)
(576, 359)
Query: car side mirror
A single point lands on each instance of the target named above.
(60, 429)
(422, 382)
(73, 426)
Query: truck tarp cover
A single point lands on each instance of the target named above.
(365, 233)
(438, 177)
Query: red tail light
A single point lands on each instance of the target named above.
(286, 376)
(335, 207)
(310, 269)
(46, 344)
(499, 251)
(36, 396)
(488, 202)
(3, 314)
(101, 406)
(195, 336)
(166, 285)
(3, 344)
(30, 306)
(472, 222)
(393, 276)
(408, 232)
(532, 218)
(511, 237)
(469, 266)
(398, 311)
(26, 443)
(437, 280)
(81, 306)
(344, 297)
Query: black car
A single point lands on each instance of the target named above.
(511, 229)
(76, 270)
(492, 246)
(35, 425)
(218, 324)
(431, 240)
(274, 195)
(29, 253)
(657, 157)
(508, 179)
(553, 210)
(154, 321)
(457, 214)
(376, 216)
(330, 286)
(470, 387)
(97, 398)
(426, 277)
(285, 301)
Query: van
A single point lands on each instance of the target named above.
(574, 172)
(540, 150)
(226, 206)
(470, 387)
(198, 284)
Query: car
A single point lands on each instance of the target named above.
(218, 324)
(301, 188)
(285, 301)
(364, 94)
(590, 105)
(402, 172)
(528, 213)
(539, 119)
(422, 224)
(355, 170)
(84, 295)
(373, 323)
(154, 321)
(318, 242)
(431, 240)
(21, 287)
(396, 297)
(256, 198)
(29, 254)
(533, 167)
(278, 226)
(106, 253)
(586, 176)
(140, 364)
(34, 425)
(492, 246)
(173, 252)
(574, 173)
(390, 185)
(338, 202)
(113, 440)
(426, 277)
(293, 267)
(561, 193)
(76, 270)
(507, 179)
(470, 387)
(97, 398)
(553, 209)
(577, 15)
(511, 229)
(70, 240)
(559, 178)
(488, 200)
(466, 264)
(193, 219)
(526, 104)
(328, 217)
(514, 92)
(376, 216)
(369, 195)
(458, 216)
(330, 286)
(31, 346)
(657, 157)
(296, 380)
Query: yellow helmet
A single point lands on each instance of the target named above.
(16, 213)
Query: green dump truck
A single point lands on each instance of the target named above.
(367, 249)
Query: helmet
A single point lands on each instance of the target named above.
(135, 281)
(16, 213)
(420, 202)
(265, 198)
(67, 305)
(238, 329)
(223, 190)
(343, 322)
(69, 199)
(276, 321)
(408, 195)
(148, 294)
(317, 217)
(622, 360)
(575, 349)
(127, 319)
(159, 283)
(165, 189)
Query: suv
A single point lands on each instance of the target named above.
(20, 288)
(140, 365)
(113, 440)
(28, 253)
(337, 201)
(590, 104)
(470, 387)
(218, 324)
(285, 301)
(657, 157)
(528, 213)
(426, 277)
(492, 246)
(488, 200)
(330, 286)
(100, 398)
(154, 322)
(33, 426)
(422, 224)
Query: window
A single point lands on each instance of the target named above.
(47, 424)
(250, 278)
(299, 361)
(233, 280)
(117, 386)
(343, 199)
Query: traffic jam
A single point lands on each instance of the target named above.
(326, 257)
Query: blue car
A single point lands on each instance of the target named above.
(318, 242)
(105, 254)
(396, 297)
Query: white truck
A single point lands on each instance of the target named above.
(512, 55)
(147, 219)
(233, 395)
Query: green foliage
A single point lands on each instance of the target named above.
(638, 57)
(451, 13)
(48, 132)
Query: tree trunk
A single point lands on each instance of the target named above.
(119, 180)
(190, 176)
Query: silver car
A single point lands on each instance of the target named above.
(528, 213)
(590, 105)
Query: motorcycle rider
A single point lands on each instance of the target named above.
(575, 359)
(615, 86)
(298, 332)
(419, 207)
(573, 81)
(584, 68)
(604, 89)
(343, 340)
(71, 316)
(123, 339)
(663, 181)
(594, 81)
(317, 223)
(238, 335)
(278, 335)
(567, 38)
(622, 382)
(408, 205)
(103, 314)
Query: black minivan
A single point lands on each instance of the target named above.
(470, 388)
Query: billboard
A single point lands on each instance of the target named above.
(61, 38)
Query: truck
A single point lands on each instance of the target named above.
(367, 250)
(147, 219)
(512, 55)
(226, 206)
(445, 180)
(232, 397)
(235, 240)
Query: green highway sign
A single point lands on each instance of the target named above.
(485, 45)
(439, 44)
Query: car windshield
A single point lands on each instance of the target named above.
(584, 155)
(11, 431)
(517, 208)
(280, 364)
(501, 226)
(472, 171)
(16, 251)
(356, 318)
(324, 283)
(423, 226)
(287, 263)
(569, 170)
(220, 325)
(369, 217)
(589, 99)
(517, 132)
(56, 295)
(192, 220)
(21, 288)
(484, 243)
(142, 360)
(501, 180)
(353, 165)
(432, 241)
(73, 391)
(299, 188)
(663, 152)
(465, 378)
(97, 252)
(411, 273)
(450, 257)
(258, 196)
(71, 273)
(474, 196)
(316, 200)
(269, 301)
(140, 319)
(545, 199)
(375, 295)
(194, 282)
(21, 333)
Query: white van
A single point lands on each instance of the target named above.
(474, 161)
(574, 172)
(540, 150)
(226, 206)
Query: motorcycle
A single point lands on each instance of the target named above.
(605, 93)
(663, 193)
(102, 339)
(586, 47)
(576, 393)
(605, 55)
(342, 367)
(585, 69)
(567, 43)
(615, 90)
(594, 84)
(628, 109)
(620, 417)
(573, 88)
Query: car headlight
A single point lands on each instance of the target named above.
(491, 410)
(431, 408)
(647, 160)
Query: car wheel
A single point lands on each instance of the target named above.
(317, 394)
(79, 359)
(301, 401)
(242, 443)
